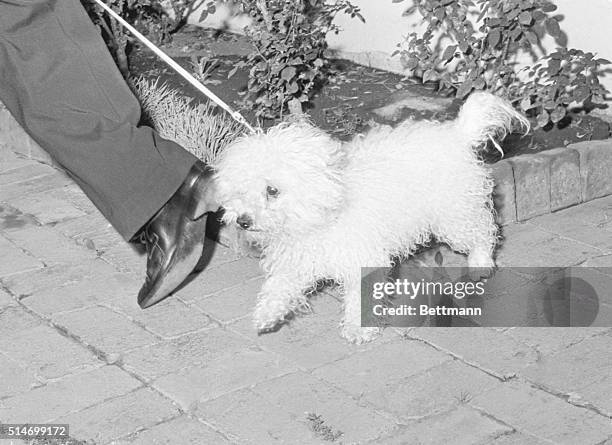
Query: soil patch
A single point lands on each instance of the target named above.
(354, 98)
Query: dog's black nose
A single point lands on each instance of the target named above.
(244, 221)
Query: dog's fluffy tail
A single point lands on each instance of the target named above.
(485, 117)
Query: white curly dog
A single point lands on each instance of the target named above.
(320, 209)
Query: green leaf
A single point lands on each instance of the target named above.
(554, 66)
(483, 12)
(480, 84)
(429, 75)
(543, 118)
(552, 27)
(549, 104)
(232, 72)
(288, 73)
(558, 114)
(515, 34)
(563, 80)
(511, 16)
(494, 38)
(449, 52)
(532, 37)
(525, 18)
(293, 88)
(581, 93)
(412, 63)
(538, 15)
(464, 89)
(526, 104)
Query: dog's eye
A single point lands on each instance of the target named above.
(272, 191)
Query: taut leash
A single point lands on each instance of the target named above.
(179, 69)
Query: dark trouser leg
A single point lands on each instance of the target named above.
(59, 81)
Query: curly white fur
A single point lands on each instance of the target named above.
(340, 207)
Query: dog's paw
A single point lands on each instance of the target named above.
(358, 335)
(480, 273)
(263, 325)
(480, 265)
(267, 319)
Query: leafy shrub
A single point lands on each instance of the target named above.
(288, 38)
(484, 58)
(560, 79)
(147, 16)
(288, 60)
(203, 68)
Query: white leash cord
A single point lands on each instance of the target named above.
(179, 69)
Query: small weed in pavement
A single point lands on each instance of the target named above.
(318, 426)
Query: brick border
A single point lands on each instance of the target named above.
(526, 186)
(530, 185)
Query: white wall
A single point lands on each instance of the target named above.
(588, 24)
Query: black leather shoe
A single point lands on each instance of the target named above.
(174, 238)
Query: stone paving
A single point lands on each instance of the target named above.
(76, 349)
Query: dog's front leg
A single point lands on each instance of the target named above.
(351, 328)
(280, 295)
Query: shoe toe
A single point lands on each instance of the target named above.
(171, 263)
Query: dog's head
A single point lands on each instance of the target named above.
(287, 180)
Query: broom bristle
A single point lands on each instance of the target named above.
(198, 128)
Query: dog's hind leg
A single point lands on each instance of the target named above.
(280, 296)
(475, 234)
(482, 240)
(480, 258)
(480, 262)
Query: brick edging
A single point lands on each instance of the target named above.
(530, 185)
(526, 186)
